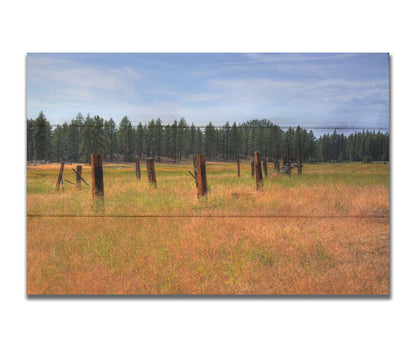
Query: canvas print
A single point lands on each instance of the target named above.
(208, 174)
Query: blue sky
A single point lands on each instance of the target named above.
(311, 90)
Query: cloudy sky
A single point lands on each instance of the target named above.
(311, 90)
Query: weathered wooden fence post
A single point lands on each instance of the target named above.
(265, 167)
(252, 168)
(97, 179)
(138, 173)
(78, 176)
(61, 171)
(257, 167)
(201, 175)
(238, 167)
(299, 159)
(151, 172)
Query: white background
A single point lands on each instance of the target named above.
(206, 26)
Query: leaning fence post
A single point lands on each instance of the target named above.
(97, 179)
(61, 171)
(201, 175)
(78, 176)
(138, 173)
(238, 167)
(151, 172)
(257, 167)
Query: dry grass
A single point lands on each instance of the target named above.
(218, 255)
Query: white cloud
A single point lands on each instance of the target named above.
(77, 75)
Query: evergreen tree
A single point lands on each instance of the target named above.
(168, 141)
(30, 143)
(235, 142)
(199, 141)
(140, 140)
(73, 140)
(77, 140)
(58, 140)
(192, 140)
(209, 141)
(99, 142)
(126, 139)
(182, 140)
(110, 134)
(86, 136)
(158, 138)
(174, 139)
(150, 138)
(42, 138)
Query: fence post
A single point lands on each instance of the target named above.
(97, 179)
(138, 173)
(202, 175)
(257, 167)
(299, 159)
(151, 172)
(78, 176)
(238, 167)
(61, 171)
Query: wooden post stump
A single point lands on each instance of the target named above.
(151, 172)
(138, 173)
(257, 168)
(202, 175)
(78, 176)
(238, 167)
(61, 171)
(97, 179)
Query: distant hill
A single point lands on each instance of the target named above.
(257, 123)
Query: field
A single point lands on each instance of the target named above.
(325, 232)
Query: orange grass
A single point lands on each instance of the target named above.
(323, 190)
(313, 254)
(207, 256)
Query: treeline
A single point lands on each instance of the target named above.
(75, 141)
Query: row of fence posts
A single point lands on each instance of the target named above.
(256, 164)
(199, 175)
(77, 174)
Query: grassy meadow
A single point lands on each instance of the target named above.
(325, 232)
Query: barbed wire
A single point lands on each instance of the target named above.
(220, 126)
(30, 215)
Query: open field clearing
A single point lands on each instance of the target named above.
(325, 232)
(322, 190)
